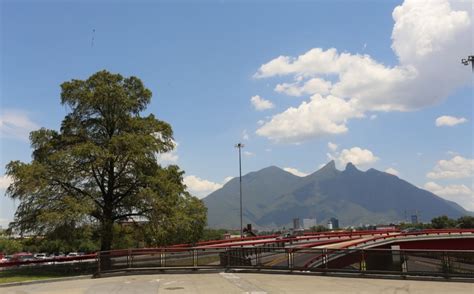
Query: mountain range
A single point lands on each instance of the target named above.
(273, 197)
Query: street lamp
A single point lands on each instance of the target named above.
(240, 146)
(469, 59)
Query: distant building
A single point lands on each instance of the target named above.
(385, 227)
(296, 223)
(309, 223)
(329, 225)
(334, 223)
(414, 219)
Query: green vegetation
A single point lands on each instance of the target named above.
(319, 228)
(214, 234)
(101, 169)
(443, 222)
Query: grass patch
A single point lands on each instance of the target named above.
(13, 279)
(31, 273)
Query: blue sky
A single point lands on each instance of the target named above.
(359, 81)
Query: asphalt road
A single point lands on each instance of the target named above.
(210, 283)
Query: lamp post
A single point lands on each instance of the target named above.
(240, 146)
(467, 60)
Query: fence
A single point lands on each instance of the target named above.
(446, 263)
(52, 267)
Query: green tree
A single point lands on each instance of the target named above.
(466, 222)
(443, 222)
(10, 246)
(319, 228)
(101, 166)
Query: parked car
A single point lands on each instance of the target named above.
(73, 254)
(22, 256)
(41, 256)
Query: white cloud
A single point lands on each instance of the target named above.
(428, 37)
(245, 135)
(460, 194)
(227, 179)
(200, 187)
(16, 124)
(332, 146)
(317, 117)
(357, 156)
(248, 153)
(4, 222)
(170, 157)
(373, 116)
(392, 171)
(457, 167)
(260, 103)
(298, 88)
(449, 121)
(5, 181)
(295, 172)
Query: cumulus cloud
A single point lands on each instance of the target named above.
(332, 146)
(245, 135)
(170, 157)
(260, 103)
(5, 181)
(16, 124)
(317, 117)
(449, 121)
(299, 88)
(392, 171)
(295, 172)
(200, 187)
(227, 179)
(457, 167)
(355, 155)
(460, 194)
(423, 32)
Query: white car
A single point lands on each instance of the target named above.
(40, 256)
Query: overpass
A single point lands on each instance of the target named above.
(429, 252)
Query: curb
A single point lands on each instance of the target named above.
(83, 277)
(358, 275)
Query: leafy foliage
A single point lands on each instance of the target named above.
(101, 167)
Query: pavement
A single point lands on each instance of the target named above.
(249, 283)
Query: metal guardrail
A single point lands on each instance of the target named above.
(446, 263)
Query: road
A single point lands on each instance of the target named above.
(217, 283)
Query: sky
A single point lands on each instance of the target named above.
(299, 83)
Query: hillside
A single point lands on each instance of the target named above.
(272, 197)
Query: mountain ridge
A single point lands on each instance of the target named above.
(272, 197)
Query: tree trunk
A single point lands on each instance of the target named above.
(106, 239)
(106, 235)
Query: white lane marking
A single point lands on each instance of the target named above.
(169, 283)
(229, 276)
(127, 282)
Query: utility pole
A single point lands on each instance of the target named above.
(240, 146)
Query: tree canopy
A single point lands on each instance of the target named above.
(101, 166)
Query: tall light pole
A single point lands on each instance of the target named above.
(467, 60)
(240, 146)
